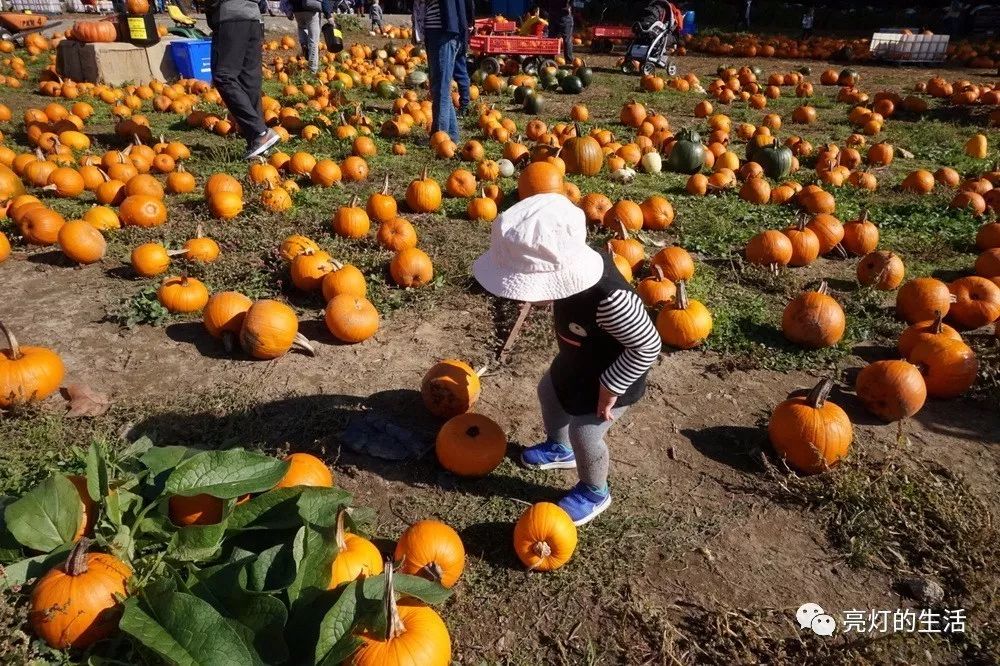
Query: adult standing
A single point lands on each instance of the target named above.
(306, 13)
(237, 41)
(442, 26)
(560, 13)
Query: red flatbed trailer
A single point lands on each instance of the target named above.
(604, 37)
(535, 52)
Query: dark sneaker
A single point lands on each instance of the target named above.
(549, 455)
(262, 143)
(584, 504)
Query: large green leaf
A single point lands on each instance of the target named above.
(22, 571)
(120, 503)
(272, 570)
(275, 509)
(406, 586)
(97, 473)
(47, 516)
(339, 653)
(314, 552)
(159, 459)
(338, 621)
(225, 474)
(197, 543)
(187, 631)
(319, 506)
(264, 615)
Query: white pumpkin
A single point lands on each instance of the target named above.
(651, 162)
(623, 175)
(506, 168)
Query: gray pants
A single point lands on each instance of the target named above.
(308, 23)
(585, 434)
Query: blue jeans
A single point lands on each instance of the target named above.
(462, 75)
(442, 49)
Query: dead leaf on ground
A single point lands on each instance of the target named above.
(85, 401)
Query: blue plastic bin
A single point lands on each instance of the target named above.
(192, 58)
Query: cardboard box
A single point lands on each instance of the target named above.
(115, 63)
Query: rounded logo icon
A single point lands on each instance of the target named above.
(806, 613)
(578, 330)
(824, 625)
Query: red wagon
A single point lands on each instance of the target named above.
(604, 37)
(534, 52)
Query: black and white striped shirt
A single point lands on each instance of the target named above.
(623, 316)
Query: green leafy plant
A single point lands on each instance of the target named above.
(252, 586)
(142, 308)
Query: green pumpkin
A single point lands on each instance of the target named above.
(478, 77)
(805, 70)
(571, 85)
(775, 160)
(416, 78)
(521, 93)
(585, 74)
(688, 154)
(416, 52)
(534, 104)
(386, 90)
(549, 82)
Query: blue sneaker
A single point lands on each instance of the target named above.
(548, 455)
(583, 504)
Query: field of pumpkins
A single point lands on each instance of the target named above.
(261, 413)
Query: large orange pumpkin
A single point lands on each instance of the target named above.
(78, 603)
(470, 445)
(305, 469)
(811, 432)
(431, 549)
(891, 390)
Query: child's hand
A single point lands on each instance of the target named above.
(605, 403)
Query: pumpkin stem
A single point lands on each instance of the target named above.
(302, 344)
(385, 184)
(354, 202)
(341, 541)
(76, 563)
(660, 277)
(394, 627)
(938, 323)
(176, 253)
(473, 431)
(839, 247)
(622, 231)
(15, 349)
(542, 549)
(423, 176)
(823, 288)
(817, 397)
(864, 216)
(682, 294)
(199, 231)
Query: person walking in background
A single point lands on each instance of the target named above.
(743, 22)
(607, 343)
(808, 19)
(376, 17)
(442, 25)
(560, 13)
(306, 13)
(237, 47)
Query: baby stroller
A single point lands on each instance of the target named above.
(656, 35)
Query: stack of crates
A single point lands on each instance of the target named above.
(894, 45)
(38, 6)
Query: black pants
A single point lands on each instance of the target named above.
(562, 26)
(236, 72)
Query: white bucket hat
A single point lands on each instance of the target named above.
(538, 252)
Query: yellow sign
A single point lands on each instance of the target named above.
(137, 28)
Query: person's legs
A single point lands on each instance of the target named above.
(308, 23)
(441, 50)
(555, 452)
(234, 45)
(462, 75)
(591, 497)
(251, 77)
(566, 32)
